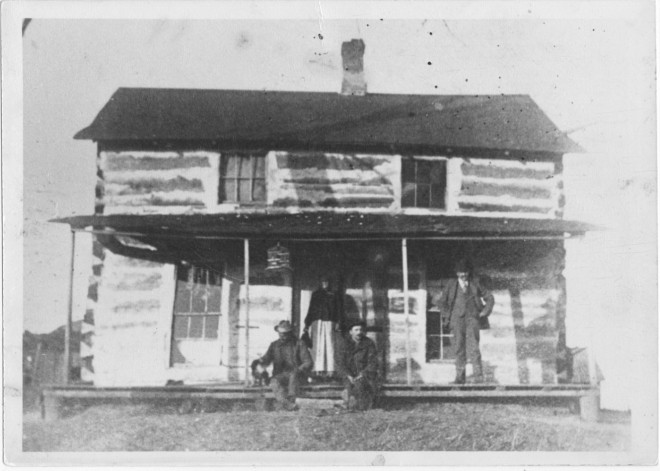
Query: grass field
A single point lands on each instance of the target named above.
(394, 427)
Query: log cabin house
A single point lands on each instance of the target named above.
(217, 211)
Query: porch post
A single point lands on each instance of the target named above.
(246, 274)
(69, 316)
(404, 264)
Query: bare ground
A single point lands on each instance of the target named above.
(395, 427)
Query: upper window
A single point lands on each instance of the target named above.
(242, 179)
(423, 183)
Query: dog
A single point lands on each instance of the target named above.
(260, 375)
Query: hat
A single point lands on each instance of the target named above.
(284, 326)
(355, 322)
(463, 266)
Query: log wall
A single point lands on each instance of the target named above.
(140, 182)
(158, 181)
(133, 322)
(323, 180)
(506, 186)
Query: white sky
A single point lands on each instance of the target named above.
(593, 76)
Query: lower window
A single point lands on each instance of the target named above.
(438, 337)
(196, 325)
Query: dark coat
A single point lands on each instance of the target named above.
(355, 359)
(287, 355)
(482, 301)
(323, 306)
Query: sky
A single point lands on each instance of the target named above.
(593, 76)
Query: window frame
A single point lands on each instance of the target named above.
(443, 334)
(238, 178)
(445, 196)
(191, 313)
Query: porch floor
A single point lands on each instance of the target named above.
(240, 391)
(582, 397)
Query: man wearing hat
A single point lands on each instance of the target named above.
(358, 366)
(467, 305)
(291, 362)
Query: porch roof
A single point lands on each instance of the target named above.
(325, 225)
(329, 121)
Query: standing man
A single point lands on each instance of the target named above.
(467, 305)
(358, 365)
(291, 361)
(323, 319)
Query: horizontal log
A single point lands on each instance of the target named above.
(489, 189)
(173, 198)
(496, 169)
(137, 186)
(502, 208)
(118, 162)
(329, 161)
(340, 189)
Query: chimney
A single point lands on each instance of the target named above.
(352, 53)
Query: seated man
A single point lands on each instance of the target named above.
(291, 361)
(358, 366)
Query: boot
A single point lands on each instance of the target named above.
(460, 377)
(290, 404)
(477, 376)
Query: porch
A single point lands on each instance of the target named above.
(387, 269)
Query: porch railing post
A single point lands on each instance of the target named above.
(246, 270)
(406, 310)
(69, 314)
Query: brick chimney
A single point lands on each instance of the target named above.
(352, 53)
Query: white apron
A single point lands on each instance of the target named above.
(323, 345)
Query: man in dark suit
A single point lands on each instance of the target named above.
(358, 365)
(467, 305)
(291, 362)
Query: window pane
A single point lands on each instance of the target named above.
(437, 196)
(182, 301)
(432, 348)
(407, 170)
(199, 276)
(424, 171)
(259, 190)
(211, 330)
(259, 167)
(438, 172)
(199, 301)
(227, 190)
(408, 195)
(229, 166)
(214, 299)
(182, 273)
(432, 323)
(246, 167)
(423, 196)
(196, 326)
(181, 327)
(244, 191)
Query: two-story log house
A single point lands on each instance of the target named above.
(198, 191)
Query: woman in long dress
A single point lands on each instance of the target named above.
(322, 323)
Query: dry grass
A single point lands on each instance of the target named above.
(420, 426)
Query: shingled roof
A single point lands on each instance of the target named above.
(329, 121)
